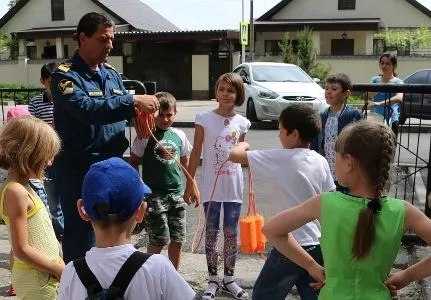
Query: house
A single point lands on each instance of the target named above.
(345, 32)
(147, 46)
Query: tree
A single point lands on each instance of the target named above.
(306, 54)
(286, 50)
(404, 40)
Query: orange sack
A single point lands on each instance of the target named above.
(250, 226)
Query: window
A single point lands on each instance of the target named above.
(378, 46)
(346, 4)
(57, 10)
(272, 48)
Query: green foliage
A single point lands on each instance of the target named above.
(22, 92)
(306, 56)
(286, 50)
(267, 58)
(403, 40)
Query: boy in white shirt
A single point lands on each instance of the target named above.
(114, 202)
(296, 174)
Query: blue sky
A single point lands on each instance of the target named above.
(205, 14)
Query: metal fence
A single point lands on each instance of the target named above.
(411, 180)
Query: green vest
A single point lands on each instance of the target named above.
(159, 171)
(346, 277)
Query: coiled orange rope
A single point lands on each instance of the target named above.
(145, 126)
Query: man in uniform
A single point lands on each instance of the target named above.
(91, 106)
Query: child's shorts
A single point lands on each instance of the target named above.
(165, 219)
(31, 284)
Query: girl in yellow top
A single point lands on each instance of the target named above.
(29, 146)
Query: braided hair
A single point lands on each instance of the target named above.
(372, 144)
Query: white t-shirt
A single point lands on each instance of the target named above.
(221, 135)
(157, 278)
(295, 176)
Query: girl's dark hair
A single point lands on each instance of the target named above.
(392, 58)
(372, 145)
(236, 81)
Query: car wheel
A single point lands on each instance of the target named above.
(251, 111)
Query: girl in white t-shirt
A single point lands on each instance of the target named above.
(218, 132)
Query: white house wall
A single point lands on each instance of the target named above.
(389, 11)
(37, 13)
(17, 71)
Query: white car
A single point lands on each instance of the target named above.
(270, 87)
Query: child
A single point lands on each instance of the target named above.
(361, 231)
(29, 146)
(296, 173)
(166, 215)
(335, 118)
(113, 201)
(219, 131)
(42, 107)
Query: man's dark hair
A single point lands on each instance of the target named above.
(302, 117)
(342, 79)
(47, 70)
(90, 22)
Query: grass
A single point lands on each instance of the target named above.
(354, 100)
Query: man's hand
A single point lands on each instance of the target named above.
(148, 103)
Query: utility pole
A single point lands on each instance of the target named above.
(242, 46)
(251, 32)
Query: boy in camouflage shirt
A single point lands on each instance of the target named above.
(165, 217)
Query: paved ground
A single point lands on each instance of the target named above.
(193, 266)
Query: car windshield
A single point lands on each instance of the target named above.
(281, 73)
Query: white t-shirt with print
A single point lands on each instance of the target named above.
(295, 175)
(331, 134)
(221, 135)
(157, 279)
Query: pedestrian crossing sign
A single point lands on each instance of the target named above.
(243, 33)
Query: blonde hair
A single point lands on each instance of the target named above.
(28, 144)
(372, 144)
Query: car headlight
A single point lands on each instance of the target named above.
(266, 94)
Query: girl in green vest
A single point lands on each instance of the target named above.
(362, 230)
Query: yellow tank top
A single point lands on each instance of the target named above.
(41, 234)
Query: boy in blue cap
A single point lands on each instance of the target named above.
(114, 202)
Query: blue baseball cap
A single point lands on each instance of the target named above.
(116, 186)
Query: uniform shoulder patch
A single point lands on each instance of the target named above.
(65, 67)
(109, 66)
(65, 86)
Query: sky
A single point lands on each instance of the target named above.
(205, 14)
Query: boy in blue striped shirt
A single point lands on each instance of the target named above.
(42, 107)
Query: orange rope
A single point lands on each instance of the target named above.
(145, 126)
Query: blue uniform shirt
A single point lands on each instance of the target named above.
(90, 109)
